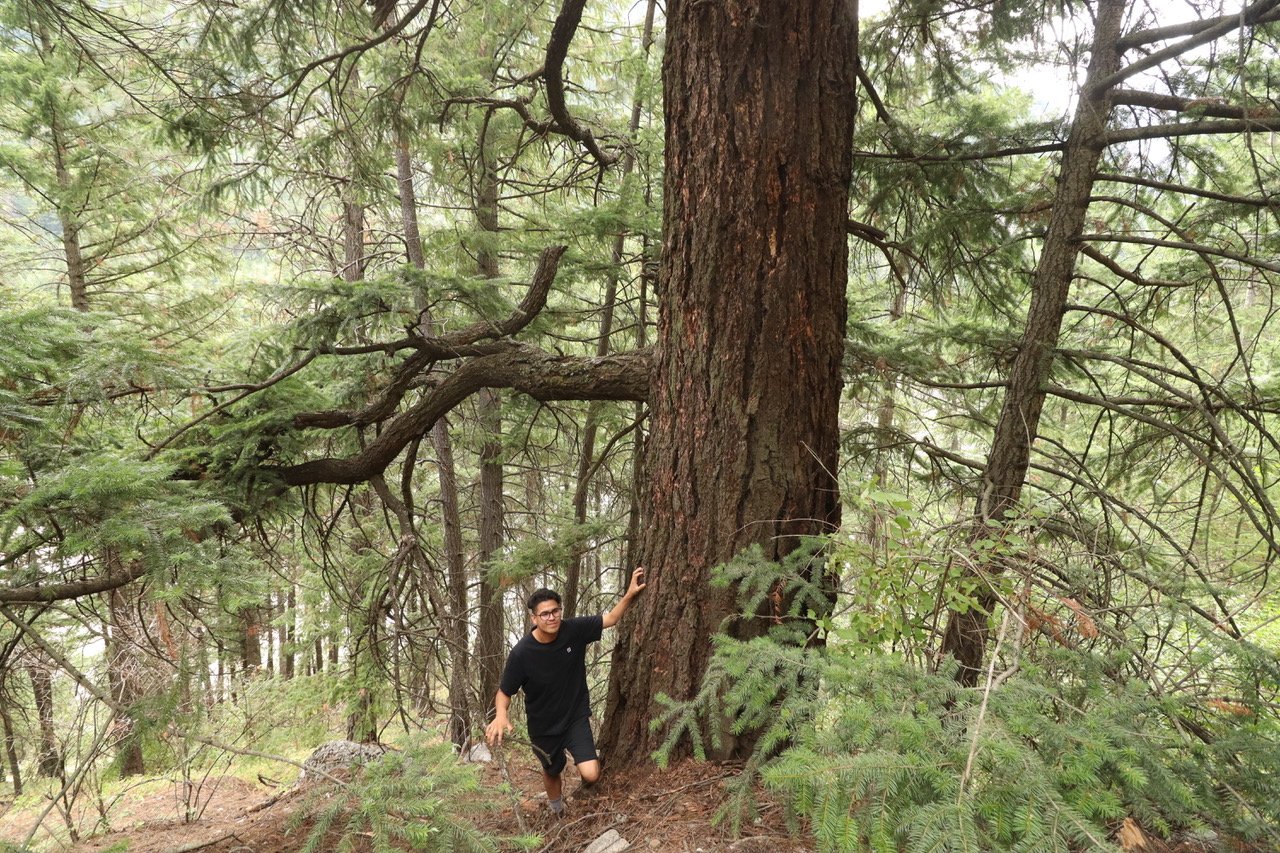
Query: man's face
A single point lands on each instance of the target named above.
(546, 617)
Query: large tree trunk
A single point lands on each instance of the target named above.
(744, 395)
(966, 633)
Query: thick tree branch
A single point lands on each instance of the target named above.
(1198, 248)
(44, 593)
(1216, 107)
(1194, 128)
(538, 374)
(462, 343)
(1188, 28)
(967, 156)
(1126, 274)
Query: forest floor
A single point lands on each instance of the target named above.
(654, 811)
(663, 811)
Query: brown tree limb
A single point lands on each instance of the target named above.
(1183, 189)
(464, 342)
(45, 593)
(1186, 28)
(1214, 29)
(966, 156)
(526, 369)
(1216, 107)
(1198, 248)
(1194, 128)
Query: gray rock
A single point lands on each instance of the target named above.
(610, 842)
(338, 755)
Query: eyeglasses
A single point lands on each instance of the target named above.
(548, 615)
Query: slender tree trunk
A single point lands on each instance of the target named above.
(11, 747)
(267, 631)
(122, 676)
(288, 633)
(746, 385)
(251, 640)
(68, 201)
(586, 456)
(639, 467)
(204, 663)
(49, 761)
(221, 680)
(455, 557)
(966, 633)
(489, 651)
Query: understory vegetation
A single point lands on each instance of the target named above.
(1080, 726)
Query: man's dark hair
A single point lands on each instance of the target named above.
(542, 595)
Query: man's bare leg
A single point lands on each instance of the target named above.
(555, 796)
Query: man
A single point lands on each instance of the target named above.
(550, 665)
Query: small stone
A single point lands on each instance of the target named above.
(610, 842)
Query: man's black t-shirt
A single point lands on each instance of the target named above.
(553, 675)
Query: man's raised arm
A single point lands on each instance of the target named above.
(615, 615)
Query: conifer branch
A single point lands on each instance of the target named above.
(1198, 248)
(1207, 32)
(1183, 189)
(526, 369)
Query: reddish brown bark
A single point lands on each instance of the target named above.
(746, 382)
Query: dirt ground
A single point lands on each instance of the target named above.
(664, 811)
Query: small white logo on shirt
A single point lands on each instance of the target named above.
(569, 650)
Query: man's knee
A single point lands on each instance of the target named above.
(589, 771)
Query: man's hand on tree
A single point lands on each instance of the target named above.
(637, 582)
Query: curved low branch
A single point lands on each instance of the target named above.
(526, 369)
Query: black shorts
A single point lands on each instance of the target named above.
(576, 739)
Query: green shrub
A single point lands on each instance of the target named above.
(879, 754)
(420, 796)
